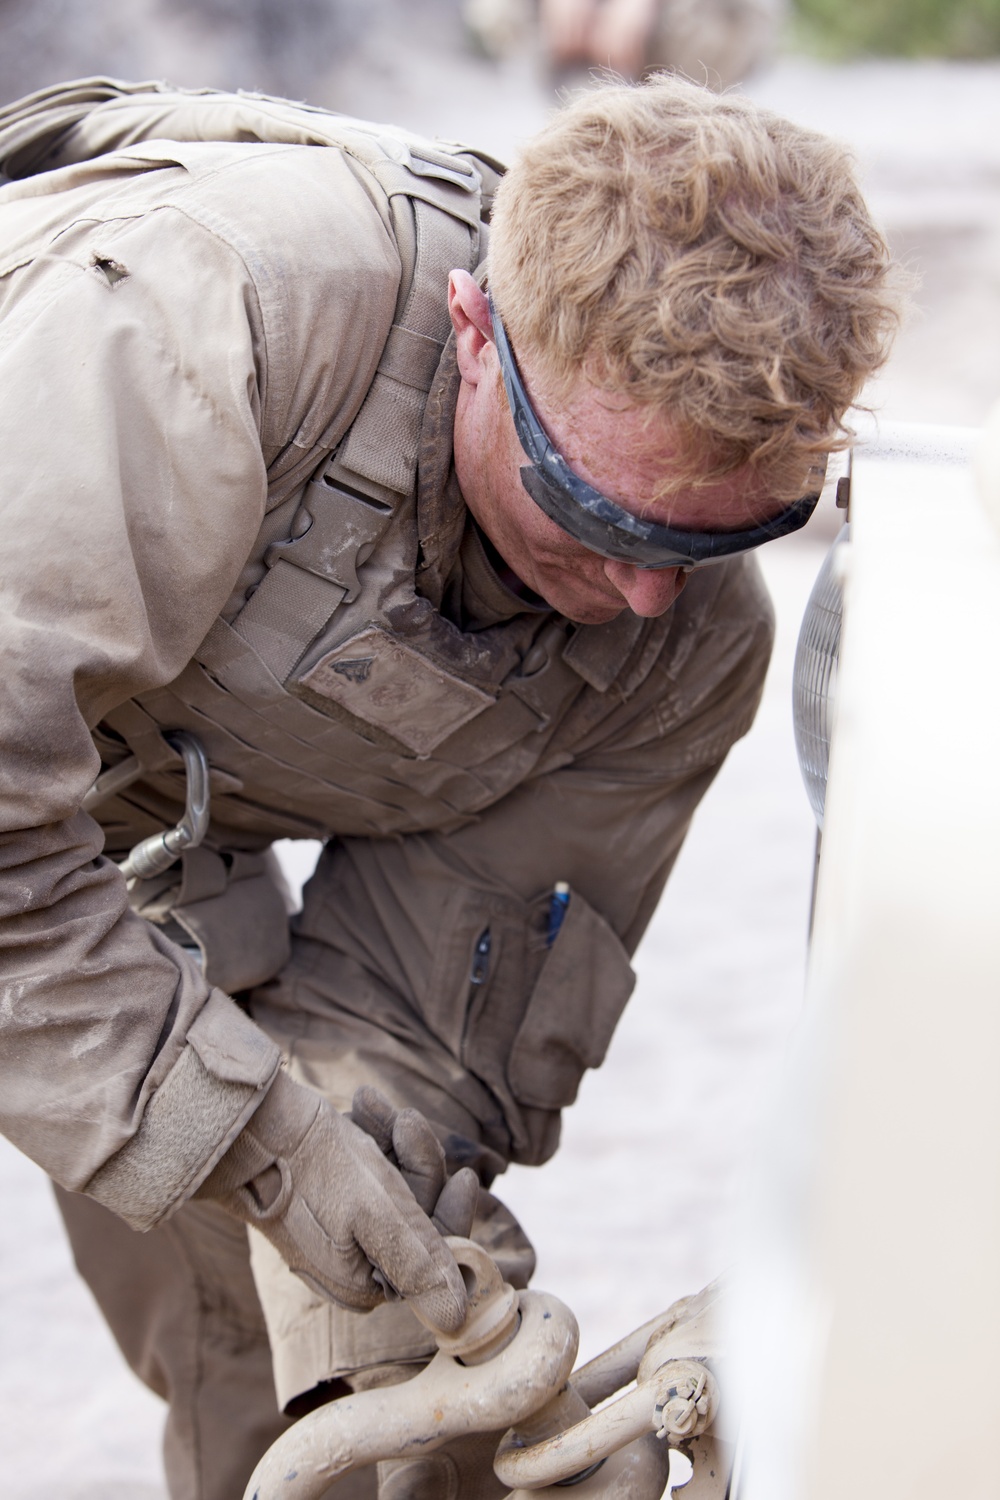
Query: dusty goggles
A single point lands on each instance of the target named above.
(600, 524)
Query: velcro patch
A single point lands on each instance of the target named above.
(384, 682)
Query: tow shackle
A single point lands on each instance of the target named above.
(672, 1361)
(512, 1355)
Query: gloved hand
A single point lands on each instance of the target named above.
(320, 1189)
(406, 1139)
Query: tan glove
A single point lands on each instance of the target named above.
(320, 1189)
(406, 1139)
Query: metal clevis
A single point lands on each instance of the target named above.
(509, 1365)
(667, 1374)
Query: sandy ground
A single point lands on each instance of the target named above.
(639, 1206)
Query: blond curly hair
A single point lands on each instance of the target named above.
(708, 259)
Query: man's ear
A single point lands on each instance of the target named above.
(469, 310)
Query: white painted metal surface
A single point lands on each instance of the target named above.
(873, 1297)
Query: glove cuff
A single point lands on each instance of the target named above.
(276, 1129)
(202, 1106)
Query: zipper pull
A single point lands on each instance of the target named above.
(481, 959)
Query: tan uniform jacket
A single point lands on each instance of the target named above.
(152, 422)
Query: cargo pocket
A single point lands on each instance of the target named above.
(232, 908)
(574, 1007)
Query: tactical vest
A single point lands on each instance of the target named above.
(335, 698)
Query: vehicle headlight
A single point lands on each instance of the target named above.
(814, 679)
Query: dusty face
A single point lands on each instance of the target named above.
(609, 444)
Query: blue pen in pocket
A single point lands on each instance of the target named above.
(558, 902)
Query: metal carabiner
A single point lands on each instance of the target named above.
(158, 852)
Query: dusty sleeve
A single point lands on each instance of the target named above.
(445, 939)
(132, 485)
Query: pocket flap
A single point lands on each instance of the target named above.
(242, 931)
(574, 1008)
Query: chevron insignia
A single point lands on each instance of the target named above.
(357, 669)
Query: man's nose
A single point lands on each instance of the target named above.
(647, 591)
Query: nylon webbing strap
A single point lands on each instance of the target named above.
(294, 601)
(410, 357)
(288, 609)
(383, 441)
(143, 735)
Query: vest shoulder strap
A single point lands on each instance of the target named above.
(348, 506)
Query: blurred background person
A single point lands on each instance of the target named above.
(718, 42)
